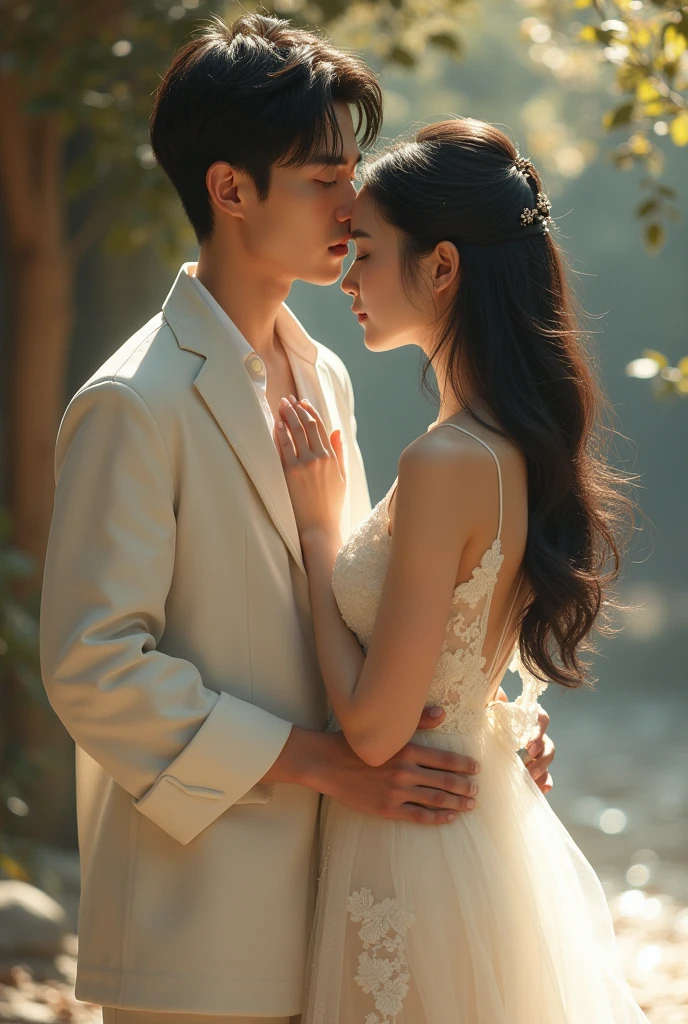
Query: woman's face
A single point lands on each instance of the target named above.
(391, 311)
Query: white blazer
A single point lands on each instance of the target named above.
(177, 647)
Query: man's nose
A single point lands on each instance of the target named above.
(346, 208)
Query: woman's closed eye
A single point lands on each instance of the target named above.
(361, 256)
(326, 184)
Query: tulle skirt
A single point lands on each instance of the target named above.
(495, 918)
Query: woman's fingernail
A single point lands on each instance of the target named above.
(470, 803)
(294, 399)
(284, 401)
(435, 712)
(450, 817)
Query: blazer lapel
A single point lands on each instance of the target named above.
(227, 391)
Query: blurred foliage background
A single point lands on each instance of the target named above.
(596, 93)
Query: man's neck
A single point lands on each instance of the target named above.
(250, 299)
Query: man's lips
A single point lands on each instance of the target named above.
(339, 248)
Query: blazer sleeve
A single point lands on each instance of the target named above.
(185, 752)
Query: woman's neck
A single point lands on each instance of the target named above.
(450, 406)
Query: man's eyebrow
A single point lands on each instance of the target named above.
(330, 160)
(360, 233)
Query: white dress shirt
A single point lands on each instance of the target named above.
(255, 367)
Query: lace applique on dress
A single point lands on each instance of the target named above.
(460, 683)
(384, 927)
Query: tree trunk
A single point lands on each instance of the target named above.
(41, 274)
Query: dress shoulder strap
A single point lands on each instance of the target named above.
(494, 456)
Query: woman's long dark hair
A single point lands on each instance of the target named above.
(511, 339)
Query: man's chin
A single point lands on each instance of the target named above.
(324, 275)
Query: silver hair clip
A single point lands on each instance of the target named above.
(540, 212)
(522, 164)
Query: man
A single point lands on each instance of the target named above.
(177, 644)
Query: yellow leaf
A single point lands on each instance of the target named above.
(13, 868)
(651, 353)
(641, 37)
(682, 386)
(674, 43)
(588, 34)
(646, 92)
(583, 3)
(679, 128)
(639, 145)
(683, 366)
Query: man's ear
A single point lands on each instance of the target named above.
(223, 182)
(445, 266)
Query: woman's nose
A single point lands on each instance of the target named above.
(349, 286)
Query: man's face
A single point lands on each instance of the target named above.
(301, 231)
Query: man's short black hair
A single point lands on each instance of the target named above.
(255, 93)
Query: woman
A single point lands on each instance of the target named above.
(499, 535)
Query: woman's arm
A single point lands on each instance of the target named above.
(379, 699)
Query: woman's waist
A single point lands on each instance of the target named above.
(512, 722)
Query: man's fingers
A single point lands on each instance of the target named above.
(427, 721)
(545, 783)
(438, 790)
(423, 815)
(535, 748)
(418, 755)
(539, 767)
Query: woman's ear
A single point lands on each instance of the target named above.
(445, 268)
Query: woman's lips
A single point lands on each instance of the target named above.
(362, 317)
(341, 249)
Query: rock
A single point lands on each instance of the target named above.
(31, 922)
(60, 968)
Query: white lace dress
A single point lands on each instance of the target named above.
(495, 918)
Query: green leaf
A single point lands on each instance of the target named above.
(618, 117)
(647, 207)
(398, 55)
(445, 41)
(654, 237)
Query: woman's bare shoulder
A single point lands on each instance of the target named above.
(443, 446)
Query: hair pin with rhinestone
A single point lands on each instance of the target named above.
(524, 165)
(540, 212)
